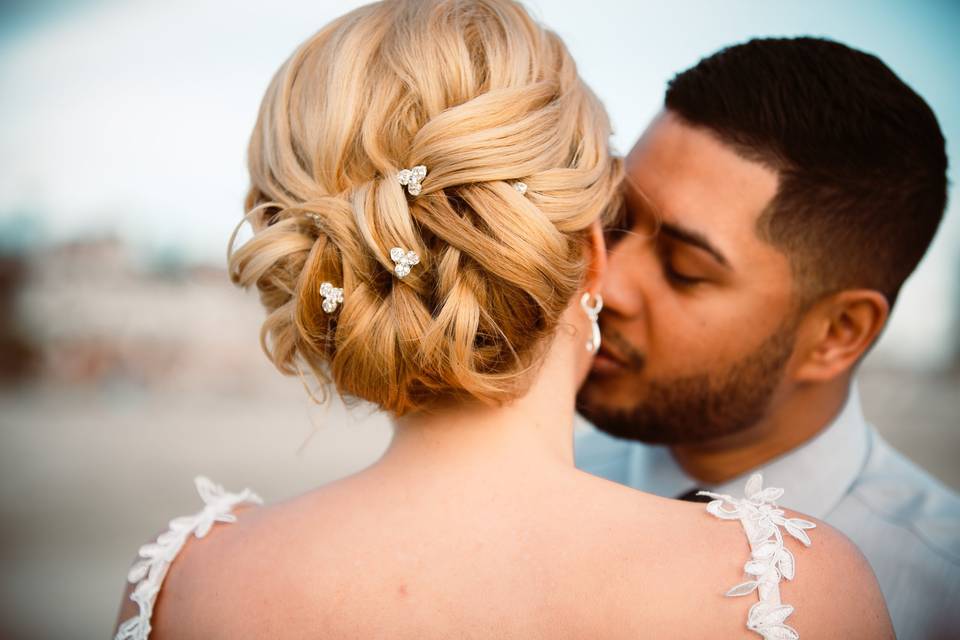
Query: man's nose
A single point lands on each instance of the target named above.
(623, 284)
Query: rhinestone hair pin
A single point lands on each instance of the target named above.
(411, 178)
(521, 187)
(403, 260)
(332, 296)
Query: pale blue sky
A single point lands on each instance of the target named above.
(133, 117)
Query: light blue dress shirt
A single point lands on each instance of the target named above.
(905, 522)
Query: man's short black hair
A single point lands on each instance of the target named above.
(860, 156)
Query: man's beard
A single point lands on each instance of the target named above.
(696, 408)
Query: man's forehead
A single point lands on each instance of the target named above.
(692, 179)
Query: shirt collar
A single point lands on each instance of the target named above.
(815, 475)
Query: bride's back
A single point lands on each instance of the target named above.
(565, 556)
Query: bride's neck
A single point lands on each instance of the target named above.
(471, 437)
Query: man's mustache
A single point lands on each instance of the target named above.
(620, 349)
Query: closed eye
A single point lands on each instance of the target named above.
(679, 279)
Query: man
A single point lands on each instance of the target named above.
(774, 209)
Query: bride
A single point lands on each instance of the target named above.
(430, 183)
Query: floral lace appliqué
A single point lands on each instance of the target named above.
(769, 559)
(148, 572)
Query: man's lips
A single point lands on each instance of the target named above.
(608, 362)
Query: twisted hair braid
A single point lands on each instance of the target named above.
(481, 95)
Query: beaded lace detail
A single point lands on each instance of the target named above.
(148, 572)
(769, 559)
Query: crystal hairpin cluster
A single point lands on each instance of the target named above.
(403, 259)
(332, 296)
(411, 178)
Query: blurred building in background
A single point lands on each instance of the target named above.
(97, 318)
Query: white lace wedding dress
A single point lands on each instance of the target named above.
(758, 513)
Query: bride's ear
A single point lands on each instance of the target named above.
(597, 259)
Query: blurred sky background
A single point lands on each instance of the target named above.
(132, 117)
(123, 131)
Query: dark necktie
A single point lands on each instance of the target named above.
(691, 496)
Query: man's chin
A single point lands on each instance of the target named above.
(627, 425)
(681, 411)
(684, 411)
(597, 403)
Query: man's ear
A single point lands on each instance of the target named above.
(597, 263)
(836, 332)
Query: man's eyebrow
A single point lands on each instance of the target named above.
(695, 238)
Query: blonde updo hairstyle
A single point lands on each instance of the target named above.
(484, 97)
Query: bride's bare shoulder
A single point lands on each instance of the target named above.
(694, 558)
(832, 591)
(835, 592)
(220, 585)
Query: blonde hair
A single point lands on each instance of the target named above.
(483, 96)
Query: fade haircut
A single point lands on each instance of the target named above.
(860, 156)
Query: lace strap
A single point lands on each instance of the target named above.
(148, 572)
(769, 559)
